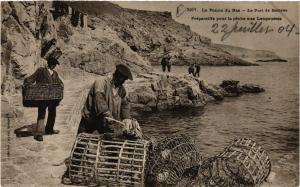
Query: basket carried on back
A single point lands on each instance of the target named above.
(243, 163)
(171, 158)
(37, 94)
(95, 161)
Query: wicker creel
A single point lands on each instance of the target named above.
(35, 95)
(242, 163)
(171, 158)
(96, 161)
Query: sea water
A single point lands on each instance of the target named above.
(270, 118)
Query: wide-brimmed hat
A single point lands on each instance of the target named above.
(124, 70)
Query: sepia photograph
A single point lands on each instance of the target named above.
(150, 93)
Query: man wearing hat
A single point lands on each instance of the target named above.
(106, 98)
(45, 75)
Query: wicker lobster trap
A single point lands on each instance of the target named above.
(171, 158)
(35, 95)
(243, 163)
(95, 161)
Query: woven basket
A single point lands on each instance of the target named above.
(171, 158)
(36, 95)
(96, 161)
(243, 163)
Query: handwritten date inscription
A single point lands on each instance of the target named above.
(254, 27)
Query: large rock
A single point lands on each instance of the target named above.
(23, 50)
(19, 46)
(213, 90)
(161, 92)
(98, 51)
(231, 88)
(251, 88)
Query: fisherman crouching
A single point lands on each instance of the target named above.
(107, 100)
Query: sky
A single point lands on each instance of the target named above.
(277, 40)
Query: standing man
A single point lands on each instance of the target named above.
(197, 72)
(192, 69)
(165, 62)
(107, 98)
(45, 75)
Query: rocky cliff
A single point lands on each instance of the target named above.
(30, 34)
(151, 34)
(256, 55)
(92, 37)
(19, 47)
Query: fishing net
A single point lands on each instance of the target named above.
(243, 163)
(171, 158)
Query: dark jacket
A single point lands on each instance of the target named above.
(198, 68)
(42, 76)
(166, 60)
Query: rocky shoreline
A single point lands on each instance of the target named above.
(156, 92)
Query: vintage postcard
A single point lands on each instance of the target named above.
(150, 93)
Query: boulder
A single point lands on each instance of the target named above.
(216, 92)
(231, 87)
(251, 88)
(226, 83)
(162, 92)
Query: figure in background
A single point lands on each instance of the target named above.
(45, 75)
(197, 71)
(192, 69)
(60, 9)
(166, 63)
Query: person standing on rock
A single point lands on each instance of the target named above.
(197, 71)
(166, 63)
(107, 98)
(45, 75)
(192, 69)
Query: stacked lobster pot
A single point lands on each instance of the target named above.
(243, 163)
(170, 159)
(97, 161)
